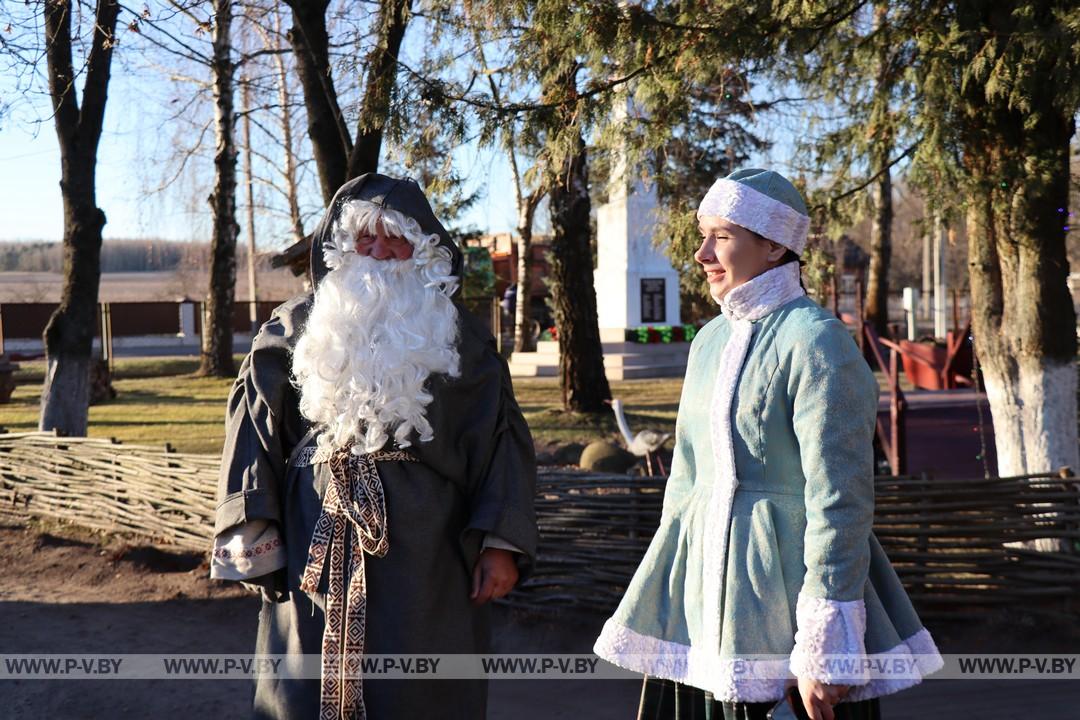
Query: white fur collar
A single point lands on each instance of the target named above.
(760, 295)
(743, 305)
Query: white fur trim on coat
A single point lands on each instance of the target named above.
(829, 642)
(718, 517)
(742, 306)
(759, 296)
(754, 679)
(754, 210)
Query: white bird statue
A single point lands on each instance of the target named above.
(645, 443)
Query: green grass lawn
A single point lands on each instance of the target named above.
(648, 404)
(159, 400)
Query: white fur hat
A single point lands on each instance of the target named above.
(762, 201)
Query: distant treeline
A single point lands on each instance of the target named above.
(116, 256)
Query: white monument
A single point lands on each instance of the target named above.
(636, 286)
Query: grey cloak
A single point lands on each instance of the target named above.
(476, 477)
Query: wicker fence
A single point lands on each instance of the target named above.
(958, 545)
(593, 531)
(101, 484)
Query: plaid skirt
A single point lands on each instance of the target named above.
(669, 700)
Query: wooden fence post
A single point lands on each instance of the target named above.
(859, 335)
(897, 416)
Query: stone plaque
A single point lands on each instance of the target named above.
(653, 300)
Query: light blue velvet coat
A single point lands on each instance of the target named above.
(797, 523)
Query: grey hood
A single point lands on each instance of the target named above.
(404, 195)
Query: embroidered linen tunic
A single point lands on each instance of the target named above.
(765, 545)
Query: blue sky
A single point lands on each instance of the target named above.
(137, 152)
(29, 182)
(30, 158)
(133, 158)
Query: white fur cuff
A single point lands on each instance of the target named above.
(830, 642)
(753, 210)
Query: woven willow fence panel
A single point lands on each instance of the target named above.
(101, 484)
(957, 545)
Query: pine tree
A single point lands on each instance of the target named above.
(544, 46)
(983, 102)
(1008, 91)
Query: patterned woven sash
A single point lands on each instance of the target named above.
(353, 496)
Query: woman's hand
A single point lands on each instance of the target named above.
(818, 697)
(494, 576)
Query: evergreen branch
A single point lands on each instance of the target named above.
(520, 107)
(869, 181)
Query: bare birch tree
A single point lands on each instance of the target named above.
(180, 38)
(266, 22)
(525, 202)
(217, 358)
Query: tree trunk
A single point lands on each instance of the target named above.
(877, 287)
(336, 157)
(1046, 323)
(69, 334)
(1030, 376)
(1000, 371)
(925, 311)
(523, 330)
(523, 322)
(581, 359)
(1023, 317)
(330, 139)
(876, 311)
(249, 188)
(217, 351)
(379, 88)
(940, 276)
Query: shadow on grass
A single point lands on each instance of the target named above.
(162, 396)
(98, 422)
(655, 412)
(161, 399)
(33, 371)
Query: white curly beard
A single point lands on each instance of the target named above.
(374, 336)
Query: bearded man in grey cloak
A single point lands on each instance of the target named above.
(378, 477)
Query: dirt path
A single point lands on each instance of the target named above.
(69, 592)
(66, 592)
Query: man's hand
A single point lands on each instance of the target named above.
(818, 697)
(494, 576)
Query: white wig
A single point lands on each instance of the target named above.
(356, 216)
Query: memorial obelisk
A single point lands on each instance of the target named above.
(636, 286)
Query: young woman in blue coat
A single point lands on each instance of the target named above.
(764, 576)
